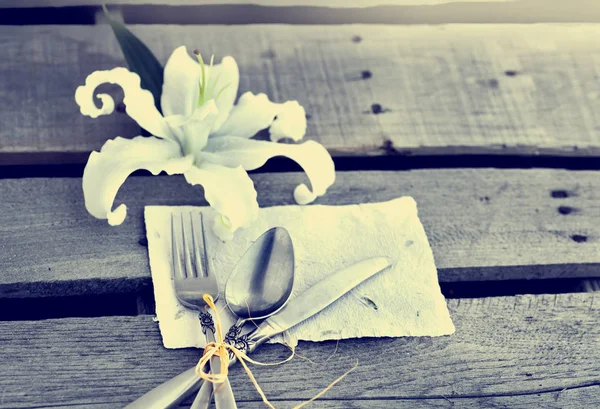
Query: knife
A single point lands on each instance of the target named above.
(170, 393)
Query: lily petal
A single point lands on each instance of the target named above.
(182, 80)
(230, 192)
(256, 112)
(289, 123)
(139, 103)
(224, 91)
(181, 84)
(107, 170)
(252, 154)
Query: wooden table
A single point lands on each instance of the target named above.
(493, 128)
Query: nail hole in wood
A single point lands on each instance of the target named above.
(377, 109)
(559, 194)
(564, 210)
(388, 147)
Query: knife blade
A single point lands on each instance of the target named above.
(310, 302)
(317, 298)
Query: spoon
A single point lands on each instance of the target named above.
(259, 286)
(261, 282)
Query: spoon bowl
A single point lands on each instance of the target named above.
(262, 280)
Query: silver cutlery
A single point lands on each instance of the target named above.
(261, 282)
(193, 279)
(258, 287)
(304, 306)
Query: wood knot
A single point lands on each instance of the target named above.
(270, 54)
(492, 83)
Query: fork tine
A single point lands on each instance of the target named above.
(198, 242)
(188, 257)
(176, 247)
(205, 260)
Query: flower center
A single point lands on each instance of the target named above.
(207, 85)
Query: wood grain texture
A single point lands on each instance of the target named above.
(514, 351)
(495, 89)
(483, 224)
(566, 399)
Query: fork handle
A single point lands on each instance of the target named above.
(223, 394)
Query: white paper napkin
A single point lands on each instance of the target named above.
(402, 301)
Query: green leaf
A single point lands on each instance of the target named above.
(139, 58)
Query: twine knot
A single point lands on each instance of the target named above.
(221, 349)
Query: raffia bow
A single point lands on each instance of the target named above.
(221, 349)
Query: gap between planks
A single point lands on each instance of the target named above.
(511, 350)
(140, 300)
(433, 90)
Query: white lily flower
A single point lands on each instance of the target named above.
(202, 135)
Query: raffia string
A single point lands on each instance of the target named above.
(220, 349)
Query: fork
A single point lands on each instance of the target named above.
(192, 279)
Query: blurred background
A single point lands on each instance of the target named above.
(302, 12)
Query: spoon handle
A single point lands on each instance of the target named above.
(235, 331)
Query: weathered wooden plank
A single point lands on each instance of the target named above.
(567, 399)
(517, 351)
(369, 90)
(483, 224)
